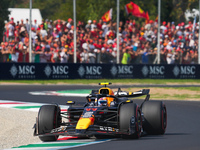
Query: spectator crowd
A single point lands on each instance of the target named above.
(52, 41)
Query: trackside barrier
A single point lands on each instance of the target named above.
(45, 71)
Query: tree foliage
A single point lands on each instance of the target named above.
(171, 10)
(179, 8)
(4, 5)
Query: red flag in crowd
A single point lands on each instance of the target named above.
(135, 10)
(107, 16)
(147, 17)
(156, 19)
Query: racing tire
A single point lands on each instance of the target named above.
(48, 119)
(155, 115)
(125, 116)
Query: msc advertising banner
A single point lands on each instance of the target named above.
(45, 71)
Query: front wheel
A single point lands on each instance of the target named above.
(130, 120)
(48, 119)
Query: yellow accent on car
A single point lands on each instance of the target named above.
(69, 102)
(105, 83)
(106, 90)
(84, 123)
(128, 101)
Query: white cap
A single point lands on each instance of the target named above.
(84, 46)
(136, 44)
(102, 48)
(89, 21)
(110, 41)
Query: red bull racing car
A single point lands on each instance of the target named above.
(105, 113)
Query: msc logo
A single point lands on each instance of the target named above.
(184, 70)
(89, 70)
(188, 69)
(157, 70)
(93, 70)
(22, 70)
(60, 69)
(26, 69)
(125, 69)
(153, 70)
(56, 70)
(121, 70)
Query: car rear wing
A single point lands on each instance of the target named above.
(132, 94)
(118, 94)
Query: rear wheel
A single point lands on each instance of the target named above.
(155, 115)
(127, 111)
(48, 119)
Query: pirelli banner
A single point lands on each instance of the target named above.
(45, 71)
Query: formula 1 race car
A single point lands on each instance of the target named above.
(105, 113)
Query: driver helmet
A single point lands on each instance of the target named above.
(102, 101)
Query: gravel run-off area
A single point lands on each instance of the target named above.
(16, 127)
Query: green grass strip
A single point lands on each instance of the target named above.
(26, 107)
(75, 91)
(50, 145)
(96, 81)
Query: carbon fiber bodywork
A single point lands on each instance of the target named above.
(119, 117)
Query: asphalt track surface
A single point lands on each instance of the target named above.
(182, 127)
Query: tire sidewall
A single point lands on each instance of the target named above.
(48, 119)
(155, 116)
(125, 114)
